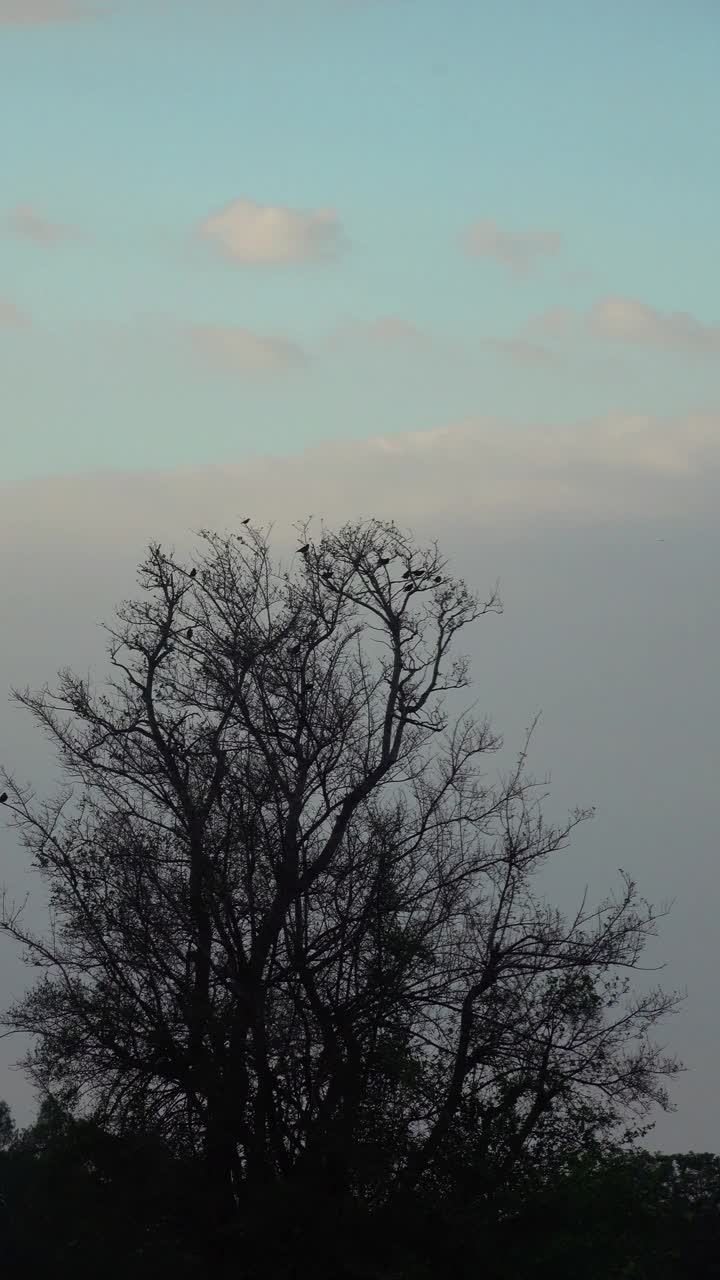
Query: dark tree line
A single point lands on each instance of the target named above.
(77, 1200)
(296, 943)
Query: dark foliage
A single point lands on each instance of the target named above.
(75, 1200)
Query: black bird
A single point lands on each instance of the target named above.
(304, 550)
(410, 586)
(3, 797)
(247, 521)
(189, 633)
(384, 560)
(356, 562)
(438, 577)
(409, 573)
(193, 573)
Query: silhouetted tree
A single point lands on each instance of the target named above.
(294, 929)
(613, 1214)
(76, 1200)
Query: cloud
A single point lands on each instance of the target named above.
(628, 321)
(11, 316)
(517, 250)
(246, 232)
(239, 350)
(35, 13)
(473, 474)
(26, 222)
(393, 333)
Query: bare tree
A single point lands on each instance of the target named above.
(293, 923)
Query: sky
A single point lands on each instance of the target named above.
(450, 261)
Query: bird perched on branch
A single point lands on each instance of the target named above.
(193, 573)
(302, 551)
(3, 797)
(189, 633)
(384, 560)
(246, 520)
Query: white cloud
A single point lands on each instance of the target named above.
(34, 13)
(475, 473)
(26, 222)
(11, 316)
(247, 232)
(517, 250)
(239, 350)
(393, 333)
(628, 321)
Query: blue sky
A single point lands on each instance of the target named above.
(450, 261)
(412, 120)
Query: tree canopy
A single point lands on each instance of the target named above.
(296, 928)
